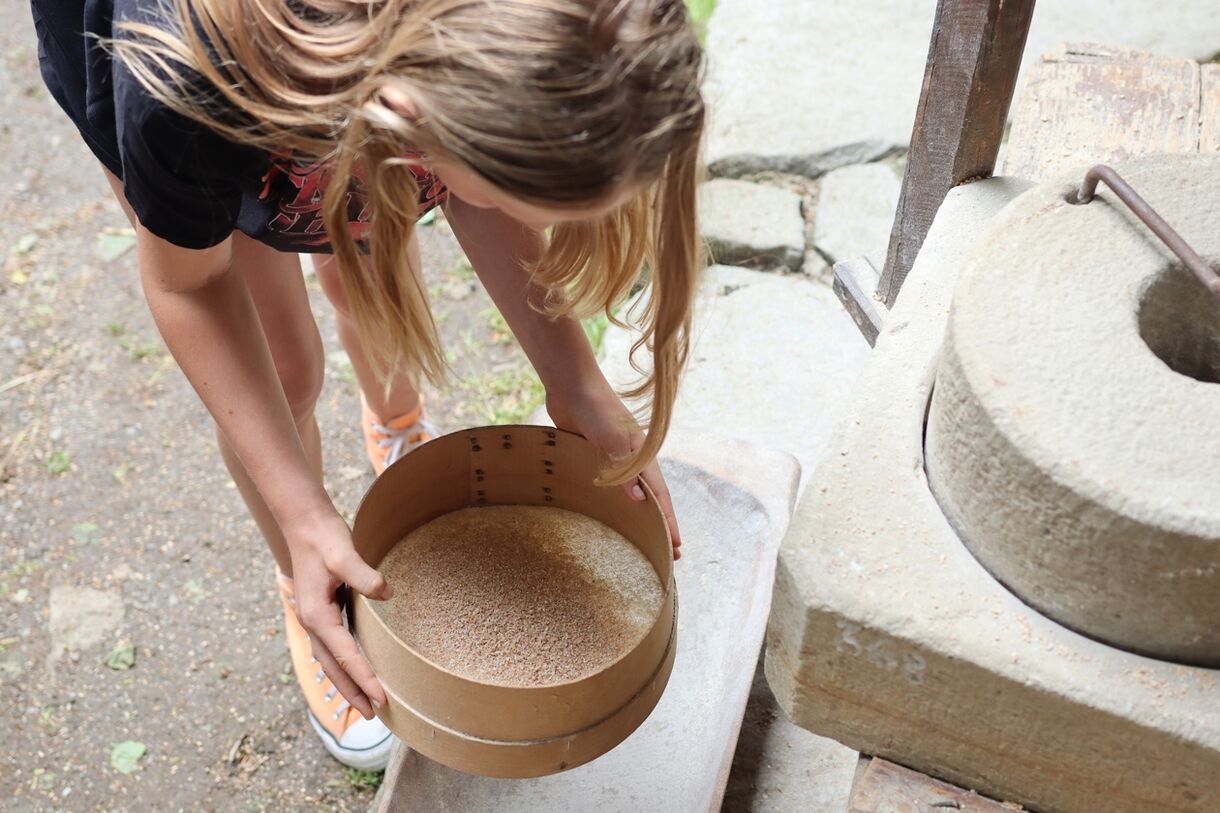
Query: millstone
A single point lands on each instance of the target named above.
(1074, 433)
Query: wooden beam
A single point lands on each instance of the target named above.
(1087, 104)
(1209, 130)
(855, 283)
(883, 787)
(968, 85)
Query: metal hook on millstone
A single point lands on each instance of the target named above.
(1144, 211)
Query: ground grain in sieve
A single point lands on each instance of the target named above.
(519, 595)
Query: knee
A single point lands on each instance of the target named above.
(326, 269)
(301, 372)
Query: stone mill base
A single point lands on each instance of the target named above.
(887, 635)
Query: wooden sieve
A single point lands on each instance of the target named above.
(497, 730)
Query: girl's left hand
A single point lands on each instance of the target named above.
(595, 412)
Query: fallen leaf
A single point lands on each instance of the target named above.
(121, 658)
(19, 278)
(24, 243)
(112, 245)
(42, 779)
(86, 533)
(20, 596)
(235, 749)
(195, 591)
(125, 756)
(58, 462)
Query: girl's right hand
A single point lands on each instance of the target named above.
(323, 559)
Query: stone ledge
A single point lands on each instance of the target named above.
(887, 635)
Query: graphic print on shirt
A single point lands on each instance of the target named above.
(293, 191)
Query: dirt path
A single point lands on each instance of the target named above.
(112, 495)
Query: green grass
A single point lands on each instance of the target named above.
(700, 10)
(362, 779)
(700, 13)
(462, 269)
(144, 350)
(138, 351)
(508, 395)
(595, 329)
(500, 332)
(58, 462)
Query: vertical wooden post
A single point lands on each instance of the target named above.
(968, 85)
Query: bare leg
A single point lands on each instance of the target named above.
(402, 397)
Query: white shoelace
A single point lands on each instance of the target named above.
(396, 441)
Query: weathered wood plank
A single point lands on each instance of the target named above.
(883, 787)
(855, 283)
(1209, 114)
(968, 84)
(1089, 104)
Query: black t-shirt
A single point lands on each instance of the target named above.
(187, 184)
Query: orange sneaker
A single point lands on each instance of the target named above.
(351, 739)
(386, 442)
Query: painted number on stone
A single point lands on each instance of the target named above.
(879, 650)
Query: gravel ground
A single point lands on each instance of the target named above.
(121, 536)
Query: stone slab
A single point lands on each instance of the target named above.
(1181, 28)
(733, 501)
(752, 224)
(772, 361)
(805, 86)
(81, 617)
(855, 213)
(780, 767)
(887, 635)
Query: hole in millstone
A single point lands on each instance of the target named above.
(1180, 322)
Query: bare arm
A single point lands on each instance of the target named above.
(578, 396)
(207, 318)
(500, 248)
(205, 314)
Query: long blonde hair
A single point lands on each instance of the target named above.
(554, 101)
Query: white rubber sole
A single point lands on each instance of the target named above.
(374, 758)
